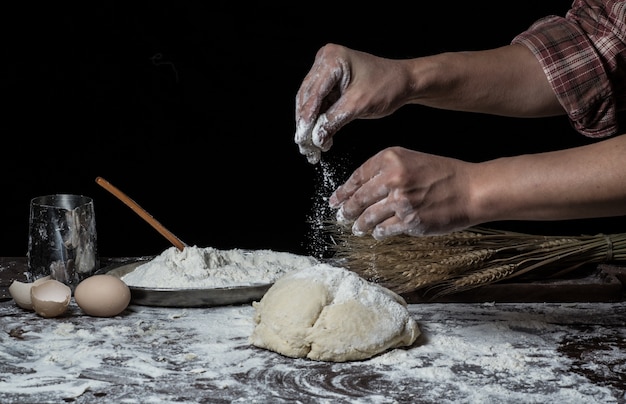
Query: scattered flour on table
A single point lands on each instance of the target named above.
(470, 353)
(208, 267)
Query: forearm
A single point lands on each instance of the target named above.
(506, 81)
(582, 182)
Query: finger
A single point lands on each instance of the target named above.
(315, 94)
(390, 227)
(346, 190)
(366, 207)
(342, 220)
(371, 217)
(311, 93)
(312, 154)
(390, 217)
(328, 124)
(309, 100)
(303, 140)
(359, 177)
(395, 226)
(321, 137)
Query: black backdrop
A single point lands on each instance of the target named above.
(188, 107)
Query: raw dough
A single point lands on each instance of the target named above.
(329, 313)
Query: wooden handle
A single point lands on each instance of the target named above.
(141, 212)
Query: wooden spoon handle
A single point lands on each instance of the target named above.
(141, 212)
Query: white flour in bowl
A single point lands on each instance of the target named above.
(208, 267)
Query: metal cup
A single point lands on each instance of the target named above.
(62, 239)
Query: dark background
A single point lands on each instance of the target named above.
(189, 109)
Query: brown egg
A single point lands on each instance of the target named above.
(50, 298)
(102, 295)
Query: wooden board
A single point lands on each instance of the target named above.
(603, 283)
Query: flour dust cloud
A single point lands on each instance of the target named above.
(328, 178)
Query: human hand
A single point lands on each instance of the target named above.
(401, 191)
(344, 85)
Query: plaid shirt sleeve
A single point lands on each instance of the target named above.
(584, 58)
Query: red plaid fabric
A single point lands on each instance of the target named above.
(584, 57)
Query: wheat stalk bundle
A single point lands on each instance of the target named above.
(478, 256)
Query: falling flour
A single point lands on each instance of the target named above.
(328, 177)
(208, 267)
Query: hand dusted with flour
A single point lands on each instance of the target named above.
(331, 314)
(568, 66)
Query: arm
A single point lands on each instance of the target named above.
(344, 85)
(506, 81)
(400, 191)
(569, 65)
(572, 64)
(577, 183)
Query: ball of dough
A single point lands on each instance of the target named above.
(329, 313)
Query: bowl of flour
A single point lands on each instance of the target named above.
(206, 276)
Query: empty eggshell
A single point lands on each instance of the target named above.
(102, 295)
(50, 298)
(20, 292)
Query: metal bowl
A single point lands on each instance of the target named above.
(188, 297)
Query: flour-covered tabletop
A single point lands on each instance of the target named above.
(468, 352)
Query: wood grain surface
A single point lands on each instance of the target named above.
(468, 352)
(505, 353)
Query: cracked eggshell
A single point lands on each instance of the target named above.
(50, 298)
(20, 292)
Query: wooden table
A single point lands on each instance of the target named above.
(491, 351)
